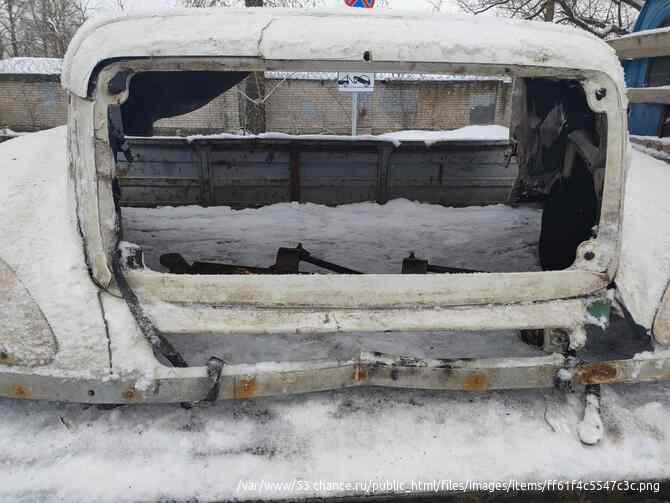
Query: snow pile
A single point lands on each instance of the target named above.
(656, 147)
(32, 66)
(651, 139)
(492, 133)
(6, 132)
(474, 133)
(286, 136)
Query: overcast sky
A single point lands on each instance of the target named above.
(448, 5)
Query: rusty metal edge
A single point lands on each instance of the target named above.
(369, 369)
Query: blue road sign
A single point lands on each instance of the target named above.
(362, 4)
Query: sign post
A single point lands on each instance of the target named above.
(355, 83)
(354, 114)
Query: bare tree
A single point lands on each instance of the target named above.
(437, 5)
(11, 13)
(40, 27)
(603, 18)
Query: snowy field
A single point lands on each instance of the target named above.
(70, 453)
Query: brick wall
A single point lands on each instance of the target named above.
(314, 106)
(29, 103)
(35, 102)
(32, 102)
(222, 114)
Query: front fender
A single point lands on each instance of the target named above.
(42, 255)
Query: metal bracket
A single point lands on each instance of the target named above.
(287, 262)
(591, 429)
(413, 265)
(214, 369)
(160, 345)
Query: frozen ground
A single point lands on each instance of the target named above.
(56, 452)
(70, 453)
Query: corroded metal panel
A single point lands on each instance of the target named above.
(241, 382)
(251, 173)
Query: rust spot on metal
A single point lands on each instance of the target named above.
(19, 391)
(130, 394)
(598, 373)
(395, 373)
(6, 358)
(246, 388)
(360, 373)
(477, 381)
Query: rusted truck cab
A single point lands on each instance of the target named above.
(568, 129)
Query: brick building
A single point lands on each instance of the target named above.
(306, 104)
(31, 99)
(220, 114)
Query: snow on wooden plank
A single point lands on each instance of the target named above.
(644, 44)
(649, 94)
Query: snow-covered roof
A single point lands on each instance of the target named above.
(338, 36)
(31, 66)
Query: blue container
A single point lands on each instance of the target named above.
(646, 119)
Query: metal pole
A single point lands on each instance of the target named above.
(354, 114)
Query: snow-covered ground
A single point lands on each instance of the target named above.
(368, 237)
(323, 443)
(56, 452)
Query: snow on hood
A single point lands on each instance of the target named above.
(313, 35)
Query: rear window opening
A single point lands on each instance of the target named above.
(237, 173)
(365, 237)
